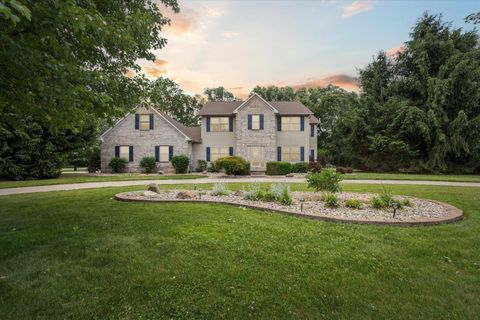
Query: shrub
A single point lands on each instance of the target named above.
(148, 164)
(201, 166)
(314, 166)
(233, 165)
(386, 200)
(94, 162)
(278, 168)
(117, 164)
(325, 180)
(220, 189)
(280, 193)
(377, 203)
(253, 192)
(348, 170)
(212, 167)
(405, 203)
(340, 170)
(331, 200)
(300, 167)
(353, 203)
(180, 163)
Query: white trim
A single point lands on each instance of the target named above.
(255, 95)
(132, 113)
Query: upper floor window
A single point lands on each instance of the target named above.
(124, 152)
(145, 122)
(291, 123)
(219, 124)
(255, 122)
(290, 154)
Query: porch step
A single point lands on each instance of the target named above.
(257, 173)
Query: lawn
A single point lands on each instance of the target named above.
(82, 177)
(80, 254)
(407, 176)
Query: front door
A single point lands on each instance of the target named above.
(256, 155)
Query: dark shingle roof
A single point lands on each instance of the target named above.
(194, 133)
(227, 108)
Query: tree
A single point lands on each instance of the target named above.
(273, 93)
(473, 18)
(219, 94)
(165, 95)
(64, 66)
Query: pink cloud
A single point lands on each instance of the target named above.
(392, 52)
(356, 7)
(343, 81)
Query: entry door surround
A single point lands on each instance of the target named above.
(256, 156)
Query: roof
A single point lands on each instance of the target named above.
(313, 120)
(194, 133)
(218, 108)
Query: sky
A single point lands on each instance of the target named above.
(244, 43)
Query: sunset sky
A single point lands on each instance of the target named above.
(240, 44)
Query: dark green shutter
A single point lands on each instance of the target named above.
(230, 151)
(157, 153)
(151, 121)
(117, 151)
(170, 153)
(302, 153)
(230, 124)
(208, 124)
(249, 122)
(130, 153)
(261, 121)
(208, 154)
(302, 123)
(279, 123)
(279, 153)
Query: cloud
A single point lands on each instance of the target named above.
(214, 12)
(161, 63)
(343, 81)
(229, 34)
(130, 73)
(356, 7)
(392, 52)
(154, 72)
(185, 22)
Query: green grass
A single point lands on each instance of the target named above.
(82, 177)
(407, 176)
(81, 255)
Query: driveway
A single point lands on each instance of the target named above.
(90, 185)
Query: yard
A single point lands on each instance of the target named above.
(80, 254)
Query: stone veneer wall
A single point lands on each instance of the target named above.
(262, 138)
(143, 141)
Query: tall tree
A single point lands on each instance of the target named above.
(273, 93)
(167, 96)
(63, 65)
(219, 94)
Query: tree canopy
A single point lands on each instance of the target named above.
(219, 94)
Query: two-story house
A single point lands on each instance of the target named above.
(255, 129)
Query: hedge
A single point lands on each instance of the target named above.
(278, 168)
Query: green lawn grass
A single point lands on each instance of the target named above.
(80, 254)
(82, 177)
(407, 176)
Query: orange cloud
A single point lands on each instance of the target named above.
(343, 81)
(184, 22)
(161, 63)
(392, 52)
(155, 72)
(356, 7)
(130, 73)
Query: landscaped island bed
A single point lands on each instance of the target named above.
(418, 212)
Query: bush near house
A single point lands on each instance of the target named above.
(118, 164)
(315, 166)
(94, 162)
(180, 163)
(325, 180)
(148, 164)
(233, 165)
(344, 170)
(201, 166)
(278, 168)
(300, 167)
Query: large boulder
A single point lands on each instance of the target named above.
(153, 187)
(186, 195)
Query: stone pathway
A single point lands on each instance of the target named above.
(91, 185)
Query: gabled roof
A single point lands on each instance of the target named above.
(190, 133)
(221, 108)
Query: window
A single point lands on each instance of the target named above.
(163, 153)
(255, 122)
(125, 152)
(144, 122)
(216, 153)
(219, 124)
(290, 154)
(291, 123)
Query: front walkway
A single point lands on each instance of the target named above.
(90, 185)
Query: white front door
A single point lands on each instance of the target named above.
(256, 155)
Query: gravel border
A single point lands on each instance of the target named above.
(423, 212)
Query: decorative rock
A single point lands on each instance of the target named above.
(239, 193)
(161, 172)
(149, 194)
(289, 175)
(185, 195)
(205, 172)
(153, 187)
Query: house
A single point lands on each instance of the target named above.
(255, 129)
